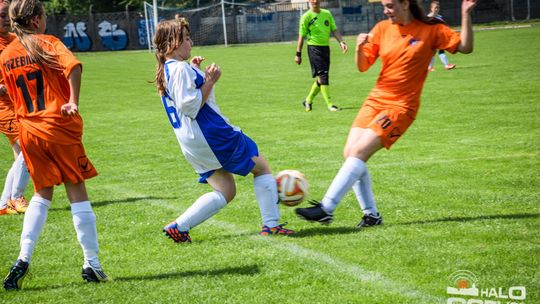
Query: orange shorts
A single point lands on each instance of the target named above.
(388, 122)
(52, 164)
(10, 127)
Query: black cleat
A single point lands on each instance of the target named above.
(314, 213)
(369, 220)
(91, 274)
(15, 277)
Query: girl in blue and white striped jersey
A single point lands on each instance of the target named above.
(215, 148)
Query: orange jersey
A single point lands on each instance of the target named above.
(405, 51)
(39, 92)
(7, 112)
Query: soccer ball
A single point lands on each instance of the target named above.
(292, 187)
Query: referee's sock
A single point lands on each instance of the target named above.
(315, 89)
(325, 91)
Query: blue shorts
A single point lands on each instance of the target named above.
(240, 162)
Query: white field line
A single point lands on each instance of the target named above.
(354, 271)
(452, 160)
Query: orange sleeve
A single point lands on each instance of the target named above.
(65, 57)
(447, 39)
(371, 49)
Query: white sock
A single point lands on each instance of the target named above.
(84, 221)
(443, 58)
(364, 194)
(432, 62)
(350, 172)
(266, 193)
(203, 208)
(20, 177)
(34, 221)
(6, 193)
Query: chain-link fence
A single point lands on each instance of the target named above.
(256, 23)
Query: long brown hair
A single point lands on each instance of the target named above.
(168, 37)
(21, 14)
(419, 14)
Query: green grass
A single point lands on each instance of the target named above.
(459, 191)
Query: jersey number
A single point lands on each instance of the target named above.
(171, 113)
(21, 83)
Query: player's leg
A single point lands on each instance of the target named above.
(315, 89)
(431, 67)
(84, 222)
(6, 206)
(444, 60)
(204, 207)
(323, 68)
(20, 181)
(34, 221)
(265, 188)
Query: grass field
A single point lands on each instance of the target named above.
(460, 191)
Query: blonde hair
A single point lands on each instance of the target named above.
(168, 37)
(21, 14)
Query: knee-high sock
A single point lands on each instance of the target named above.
(20, 177)
(432, 62)
(266, 193)
(84, 221)
(364, 194)
(34, 221)
(203, 208)
(325, 91)
(6, 193)
(315, 88)
(443, 58)
(350, 172)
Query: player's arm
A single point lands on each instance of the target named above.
(363, 62)
(74, 79)
(340, 40)
(299, 46)
(212, 75)
(466, 44)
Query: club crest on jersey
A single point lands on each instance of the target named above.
(326, 22)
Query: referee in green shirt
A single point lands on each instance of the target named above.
(316, 25)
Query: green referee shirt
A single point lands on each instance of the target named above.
(317, 27)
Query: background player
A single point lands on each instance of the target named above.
(316, 25)
(12, 200)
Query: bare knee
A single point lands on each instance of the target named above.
(261, 166)
(229, 194)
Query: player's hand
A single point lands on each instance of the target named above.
(69, 109)
(298, 59)
(212, 73)
(467, 6)
(363, 39)
(343, 47)
(196, 61)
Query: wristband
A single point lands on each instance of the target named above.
(298, 54)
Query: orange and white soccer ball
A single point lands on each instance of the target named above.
(292, 187)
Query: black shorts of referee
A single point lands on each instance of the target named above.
(319, 57)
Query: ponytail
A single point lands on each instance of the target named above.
(21, 14)
(168, 37)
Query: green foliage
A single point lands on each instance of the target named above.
(458, 192)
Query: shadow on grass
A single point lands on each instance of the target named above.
(98, 204)
(244, 270)
(323, 230)
(475, 218)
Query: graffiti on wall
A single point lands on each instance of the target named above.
(112, 36)
(75, 37)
